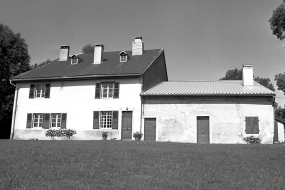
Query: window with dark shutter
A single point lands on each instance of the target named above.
(252, 126)
(97, 91)
(116, 90)
(115, 120)
(31, 94)
(47, 91)
(63, 120)
(46, 121)
(29, 120)
(96, 120)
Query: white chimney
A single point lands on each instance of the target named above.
(137, 46)
(98, 53)
(247, 75)
(63, 53)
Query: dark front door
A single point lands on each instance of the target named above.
(203, 129)
(150, 129)
(127, 125)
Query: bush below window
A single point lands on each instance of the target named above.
(60, 133)
(252, 140)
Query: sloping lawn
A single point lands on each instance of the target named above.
(139, 165)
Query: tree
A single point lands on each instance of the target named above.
(277, 21)
(280, 112)
(14, 59)
(236, 74)
(280, 81)
(88, 48)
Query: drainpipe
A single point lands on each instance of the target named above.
(14, 110)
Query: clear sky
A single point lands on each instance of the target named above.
(202, 39)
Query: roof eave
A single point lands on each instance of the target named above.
(74, 77)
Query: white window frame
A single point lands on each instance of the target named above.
(74, 61)
(57, 120)
(39, 120)
(123, 58)
(106, 119)
(41, 92)
(109, 90)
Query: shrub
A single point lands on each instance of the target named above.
(138, 135)
(60, 133)
(104, 134)
(252, 140)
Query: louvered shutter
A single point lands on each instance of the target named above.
(63, 120)
(115, 120)
(31, 94)
(252, 126)
(29, 120)
(116, 90)
(46, 121)
(96, 120)
(255, 127)
(97, 91)
(47, 92)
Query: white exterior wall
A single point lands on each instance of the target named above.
(77, 99)
(176, 120)
(280, 132)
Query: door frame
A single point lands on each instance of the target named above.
(122, 124)
(143, 124)
(210, 131)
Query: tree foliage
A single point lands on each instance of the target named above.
(14, 59)
(41, 64)
(280, 81)
(277, 21)
(236, 74)
(280, 112)
(88, 48)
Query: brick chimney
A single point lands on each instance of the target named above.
(63, 53)
(247, 75)
(98, 53)
(137, 46)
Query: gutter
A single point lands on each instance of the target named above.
(76, 77)
(14, 110)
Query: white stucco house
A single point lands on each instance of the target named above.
(279, 126)
(209, 111)
(89, 93)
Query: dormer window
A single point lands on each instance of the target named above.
(123, 56)
(74, 60)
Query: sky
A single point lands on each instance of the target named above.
(202, 39)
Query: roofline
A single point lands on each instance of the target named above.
(279, 119)
(270, 95)
(74, 77)
(152, 61)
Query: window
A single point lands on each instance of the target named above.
(37, 120)
(123, 56)
(46, 120)
(251, 125)
(107, 90)
(105, 120)
(74, 61)
(39, 91)
(56, 120)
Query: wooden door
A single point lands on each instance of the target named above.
(150, 129)
(203, 129)
(127, 125)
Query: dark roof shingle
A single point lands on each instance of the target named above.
(111, 66)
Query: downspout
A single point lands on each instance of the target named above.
(14, 110)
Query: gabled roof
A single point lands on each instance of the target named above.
(210, 88)
(111, 66)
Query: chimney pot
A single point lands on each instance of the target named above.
(63, 53)
(137, 46)
(247, 75)
(98, 53)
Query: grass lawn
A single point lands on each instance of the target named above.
(139, 165)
